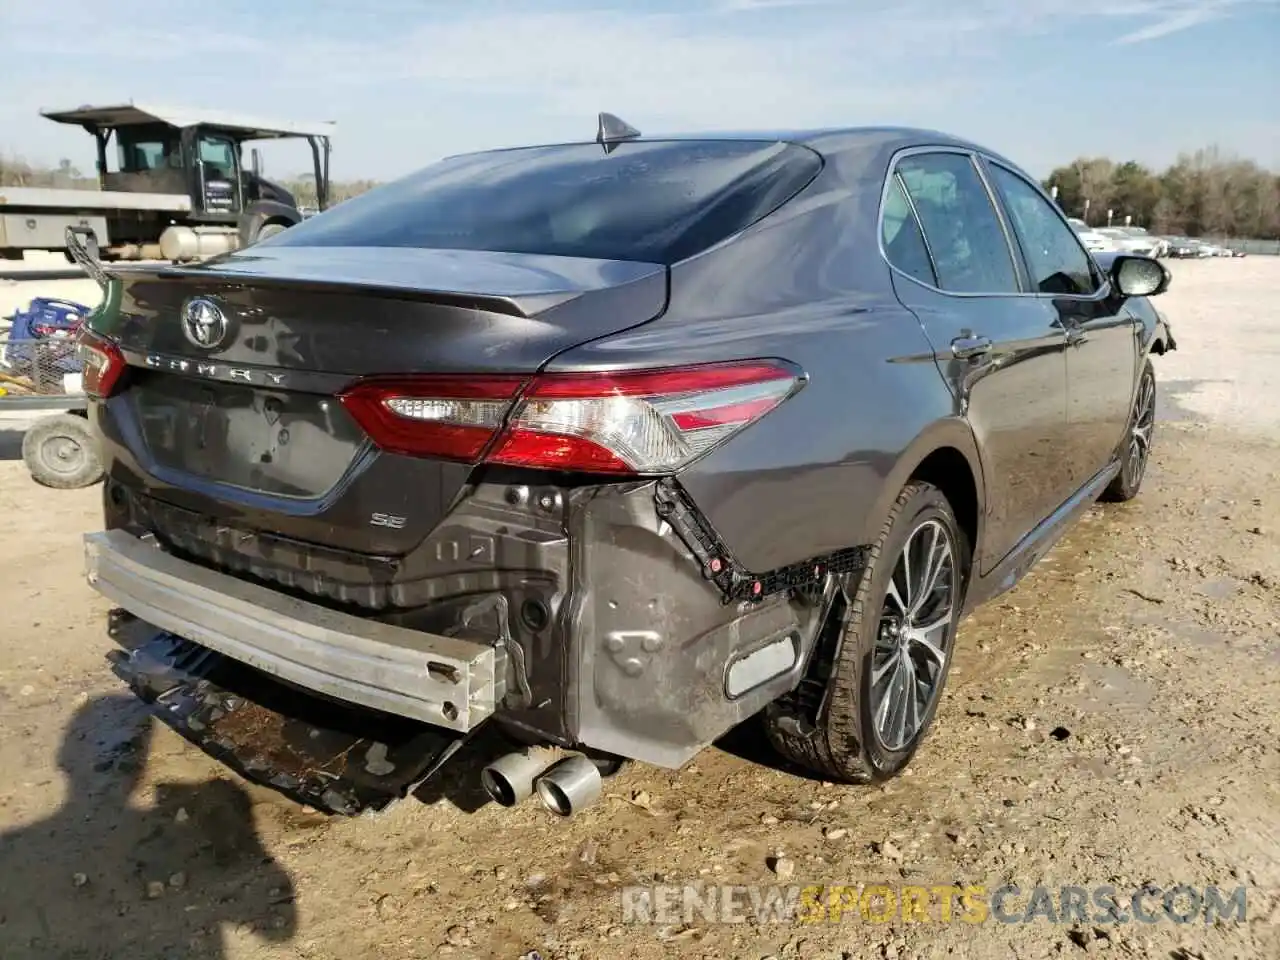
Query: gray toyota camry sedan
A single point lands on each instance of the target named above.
(606, 448)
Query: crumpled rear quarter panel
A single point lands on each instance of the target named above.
(651, 638)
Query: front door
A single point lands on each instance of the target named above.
(998, 347)
(218, 167)
(1102, 343)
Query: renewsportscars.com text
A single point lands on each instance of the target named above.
(942, 903)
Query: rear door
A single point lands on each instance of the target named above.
(1101, 333)
(999, 348)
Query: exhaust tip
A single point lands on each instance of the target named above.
(498, 787)
(554, 798)
(569, 786)
(509, 779)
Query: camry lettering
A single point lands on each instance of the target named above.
(216, 371)
(167, 363)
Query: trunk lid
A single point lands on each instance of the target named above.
(362, 311)
(230, 411)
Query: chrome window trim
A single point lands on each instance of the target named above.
(978, 158)
(1015, 257)
(895, 179)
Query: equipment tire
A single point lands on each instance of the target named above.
(62, 452)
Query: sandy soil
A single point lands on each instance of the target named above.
(1112, 721)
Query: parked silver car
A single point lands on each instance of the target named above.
(1134, 240)
(1093, 241)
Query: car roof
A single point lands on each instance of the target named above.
(874, 145)
(829, 141)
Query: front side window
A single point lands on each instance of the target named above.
(1057, 261)
(218, 157)
(970, 252)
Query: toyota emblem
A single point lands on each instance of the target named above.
(204, 323)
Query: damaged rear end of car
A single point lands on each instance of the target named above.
(359, 506)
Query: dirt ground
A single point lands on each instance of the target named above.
(1114, 720)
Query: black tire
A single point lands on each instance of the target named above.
(270, 230)
(62, 452)
(842, 742)
(1136, 450)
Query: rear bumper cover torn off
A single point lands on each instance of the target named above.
(334, 757)
(447, 682)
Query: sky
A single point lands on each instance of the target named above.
(410, 81)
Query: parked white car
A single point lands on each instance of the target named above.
(1134, 240)
(1093, 241)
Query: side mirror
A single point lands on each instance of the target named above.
(255, 159)
(1135, 276)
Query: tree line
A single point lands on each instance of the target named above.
(1202, 194)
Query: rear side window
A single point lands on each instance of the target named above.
(970, 252)
(901, 236)
(652, 201)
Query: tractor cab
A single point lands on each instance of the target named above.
(200, 155)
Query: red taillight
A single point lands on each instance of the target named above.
(639, 421)
(449, 417)
(629, 422)
(103, 364)
(549, 451)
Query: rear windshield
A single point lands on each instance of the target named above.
(652, 201)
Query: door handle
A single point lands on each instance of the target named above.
(966, 348)
(1076, 336)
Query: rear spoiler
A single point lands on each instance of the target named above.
(515, 284)
(524, 306)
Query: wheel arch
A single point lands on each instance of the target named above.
(262, 212)
(945, 455)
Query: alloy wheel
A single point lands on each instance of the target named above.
(913, 639)
(1144, 416)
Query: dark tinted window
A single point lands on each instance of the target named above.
(147, 147)
(970, 252)
(901, 236)
(1057, 261)
(659, 201)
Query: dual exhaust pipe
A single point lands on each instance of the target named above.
(564, 782)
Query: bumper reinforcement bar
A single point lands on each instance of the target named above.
(444, 681)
